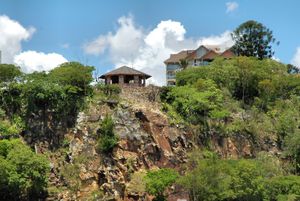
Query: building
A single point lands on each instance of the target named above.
(202, 56)
(125, 76)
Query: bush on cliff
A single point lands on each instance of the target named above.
(107, 139)
(157, 181)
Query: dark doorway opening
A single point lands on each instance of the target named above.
(115, 79)
(129, 79)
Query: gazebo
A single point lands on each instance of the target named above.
(125, 76)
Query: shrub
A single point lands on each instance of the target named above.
(8, 129)
(106, 144)
(158, 180)
(109, 89)
(106, 136)
(292, 149)
(70, 173)
(164, 93)
(195, 103)
(137, 183)
(282, 188)
(2, 114)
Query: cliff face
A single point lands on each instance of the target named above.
(146, 140)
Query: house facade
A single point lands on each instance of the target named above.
(202, 56)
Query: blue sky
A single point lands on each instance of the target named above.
(110, 33)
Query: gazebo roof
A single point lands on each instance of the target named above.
(125, 70)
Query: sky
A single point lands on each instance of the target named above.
(39, 35)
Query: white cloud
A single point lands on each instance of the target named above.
(146, 50)
(96, 46)
(296, 58)
(124, 43)
(224, 40)
(231, 6)
(31, 61)
(12, 33)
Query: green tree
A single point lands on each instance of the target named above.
(213, 179)
(11, 99)
(241, 76)
(51, 100)
(46, 100)
(253, 39)
(74, 74)
(23, 174)
(8, 72)
(158, 180)
(266, 90)
(195, 103)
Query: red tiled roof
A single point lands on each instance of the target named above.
(227, 54)
(210, 55)
(213, 51)
(192, 55)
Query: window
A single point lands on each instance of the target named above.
(171, 83)
(170, 74)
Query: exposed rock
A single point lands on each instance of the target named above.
(94, 118)
(86, 175)
(146, 141)
(112, 102)
(76, 146)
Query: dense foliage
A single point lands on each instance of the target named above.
(256, 179)
(8, 72)
(259, 92)
(253, 39)
(246, 78)
(157, 182)
(292, 149)
(46, 102)
(23, 174)
(243, 96)
(36, 106)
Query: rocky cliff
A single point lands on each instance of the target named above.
(147, 140)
